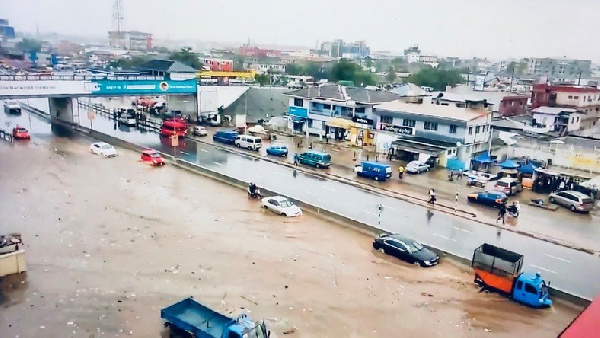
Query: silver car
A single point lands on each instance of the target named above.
(416, 167)
(573, 200)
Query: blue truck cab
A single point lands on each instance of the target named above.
(189, 316)
(531, 289)
(226, 136)
(373, 170)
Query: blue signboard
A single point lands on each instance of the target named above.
(298, 111)
(143, 87)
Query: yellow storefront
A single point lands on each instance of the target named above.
(358, 134)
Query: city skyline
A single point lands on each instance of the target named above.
(465, 29)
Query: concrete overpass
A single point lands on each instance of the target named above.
(62, 90)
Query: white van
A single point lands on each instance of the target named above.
(249, 142)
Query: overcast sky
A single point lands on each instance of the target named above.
(465, 28)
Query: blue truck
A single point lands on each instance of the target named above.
(500, 269)
(188, 317)
(373, 170)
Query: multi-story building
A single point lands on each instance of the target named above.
(218, 64)
(339, 48)
(247, 50)
(130, 40)
(336, 112)
(422, 131)
(6, 31)
(586, 100)
(559, 69)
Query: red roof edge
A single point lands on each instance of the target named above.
(586, 324)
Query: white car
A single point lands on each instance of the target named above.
(416, 167)
(281, 206)
(200, 131)
(104, 149)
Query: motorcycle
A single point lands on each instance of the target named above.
(254, 193)
(513, 211)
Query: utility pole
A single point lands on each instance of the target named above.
(579, 79)
(380, 209)
(512, 74)
(118, 15)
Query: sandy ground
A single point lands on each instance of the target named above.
(111, 241)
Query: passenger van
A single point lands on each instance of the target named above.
(226, 136)
(374, 170)
(313, 158)
(248, 142)
(509, 186)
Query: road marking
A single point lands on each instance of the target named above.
(560, 259)
(544, 269)
(279, 173)
(259, 177)
(327, 188)
(369, 212)
(388, 207)
(183, 152)
(309, 193)
(444, 237)
(217, 163)
(461, 229)
(203, 150)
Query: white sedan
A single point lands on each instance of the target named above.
(104, 149)
(281, 206)
(416, 167)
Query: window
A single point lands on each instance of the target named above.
(530, 289)
(572, 119)
(360, 110)
(327, 106)
(483, 129)
(470, 130)
(477, 129)
(578, 117)
(520, 285)
(430, 126)
(408, 123)
(452, 129)
(298, 102)
(387, 119)
(576, 97)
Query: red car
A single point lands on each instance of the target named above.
(20, 133)
(152, 156)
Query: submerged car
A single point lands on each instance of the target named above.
(152, 156)
(416, 167)
(20, 133)
(405, 249)
(103, 148)
(490, 198)
(281, 206)
(277, 150)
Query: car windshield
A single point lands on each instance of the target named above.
(327, 158)
(286, 203)
(105, 146)
(21, 130)
(414, 246)
(155, 155)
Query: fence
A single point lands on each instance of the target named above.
(148, 122)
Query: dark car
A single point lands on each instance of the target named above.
(491, 198)
(406, 249)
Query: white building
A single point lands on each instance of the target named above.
(558, 119)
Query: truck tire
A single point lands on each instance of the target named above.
(376, 178)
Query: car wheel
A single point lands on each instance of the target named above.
(376, 178)
(318, 166)
(551, 200)
(249, 148)
(382, 250)
(417, 263)
(572, 208)
(266, 207)
(238, 145)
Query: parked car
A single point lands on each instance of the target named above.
(127, 119)
(508, 185)
(405, 249)
(491, 198)
(104, 149)
(281, 206)
(12, 107)
(248, 142)
(374, 170)
(226, 136)
(573, 200)
(20, 133)
(277, 150)
(152, 156)
(416, 167)
(200, 131)
(313, 158)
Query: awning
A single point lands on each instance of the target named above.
(418, 147)
(483, 158)
(593, 184)
(585, 324)
(340, 123)
(508, 164)
(527, 169)
(455, 164)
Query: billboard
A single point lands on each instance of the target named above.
(42, 88)
(143, 87)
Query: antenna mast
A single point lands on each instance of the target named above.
(118, 15)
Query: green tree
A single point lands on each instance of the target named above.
(368, 62)
(438, 79)
(294, 69)
(131, 63)
(315, 70)
(391, 74)
(346, 70)
(29, 45)
(263, 79)
(186, 55)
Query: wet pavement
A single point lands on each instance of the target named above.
(567, 269)
(109, 242)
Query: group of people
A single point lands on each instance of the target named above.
(547, 184)
(512, 209)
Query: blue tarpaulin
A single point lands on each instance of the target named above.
(483, 158)
(455, 164)
(527, 169)
(508, 164)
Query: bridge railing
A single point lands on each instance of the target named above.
(77, 77)
(148, 122)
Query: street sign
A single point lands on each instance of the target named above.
(91, 114)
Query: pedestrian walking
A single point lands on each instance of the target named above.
(501, 212)
(431, 196)
(400, 171)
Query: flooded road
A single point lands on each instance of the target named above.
(109, 242)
